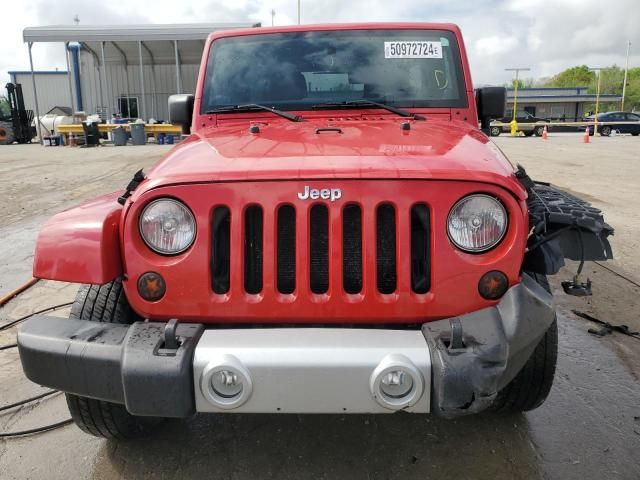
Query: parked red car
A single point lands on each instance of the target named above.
(335, 235)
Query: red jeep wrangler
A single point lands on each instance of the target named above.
(335, 235)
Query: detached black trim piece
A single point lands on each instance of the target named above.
(124, 364)
(564, 226)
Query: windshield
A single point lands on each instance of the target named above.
(404, 68)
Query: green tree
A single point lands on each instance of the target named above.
(632, 98)
(579, 76)
(610, 83)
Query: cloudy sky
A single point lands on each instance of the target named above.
(545, 35)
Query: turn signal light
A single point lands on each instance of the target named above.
(151, 286)
(493, 285)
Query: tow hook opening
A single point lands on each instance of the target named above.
(170, 342)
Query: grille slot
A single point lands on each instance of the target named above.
(420, 249)
(221, 255)
(319, 249)
(386, 274)
(253, 249)
(352, 249)
(286, 249)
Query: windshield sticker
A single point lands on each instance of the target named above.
(412, 49)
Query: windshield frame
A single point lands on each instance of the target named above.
(458, 61)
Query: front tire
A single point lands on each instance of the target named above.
(605, 131)
(539, 131)
(106, 303)
(531, 386)
(495, 131)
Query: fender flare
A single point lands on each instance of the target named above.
(81, 244)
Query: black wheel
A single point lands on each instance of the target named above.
(106, 303)
(539, 131)
(635, 134)
(495, 131)
(605, 131)
(530, 388)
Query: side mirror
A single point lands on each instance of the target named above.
(491, 103)
(181, 110)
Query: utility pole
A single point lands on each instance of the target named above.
(299, 17)
(515, 95)
(273, 14)
(626, 72)
(599, 73)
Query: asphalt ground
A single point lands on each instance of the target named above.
(589, 428)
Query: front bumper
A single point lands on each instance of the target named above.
(457, 365)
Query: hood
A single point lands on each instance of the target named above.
(344, 148)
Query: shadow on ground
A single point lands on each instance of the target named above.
(328, 446)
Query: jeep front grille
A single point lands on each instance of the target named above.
(329, 239)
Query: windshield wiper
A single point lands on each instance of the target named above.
(254, 106)
(369, 103)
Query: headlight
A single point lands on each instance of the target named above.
(476, 223)
(167, 226)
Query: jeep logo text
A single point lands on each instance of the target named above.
(332, 194)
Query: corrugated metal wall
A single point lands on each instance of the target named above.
(122, 81)
(53, 90)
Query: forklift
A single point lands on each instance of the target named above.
(16, 127)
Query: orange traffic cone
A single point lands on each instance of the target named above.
(585, 139)
(544, 133)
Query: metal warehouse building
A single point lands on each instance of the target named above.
(563, 104)
(52, 86)
(129, 70)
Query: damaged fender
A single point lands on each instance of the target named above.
(81, 244)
